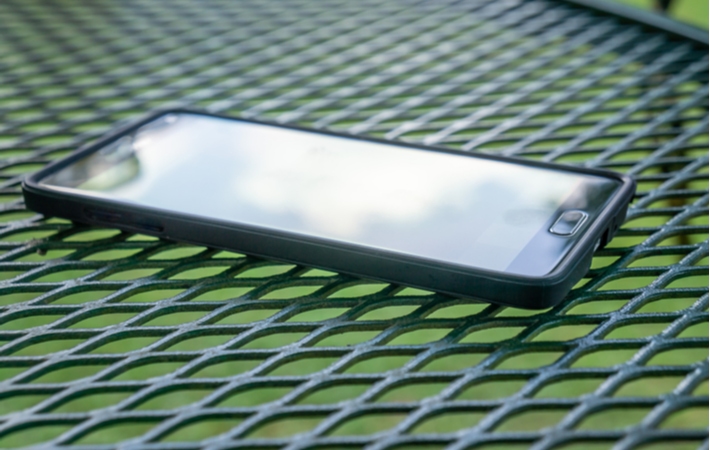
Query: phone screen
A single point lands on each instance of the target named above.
(456, 209)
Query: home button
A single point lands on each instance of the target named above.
(568, 223)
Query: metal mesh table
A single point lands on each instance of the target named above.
(110, 339)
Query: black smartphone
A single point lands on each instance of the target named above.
(505, 230)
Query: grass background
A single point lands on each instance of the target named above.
(692, 11)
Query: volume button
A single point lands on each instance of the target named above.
(150, 227)
(100, 214)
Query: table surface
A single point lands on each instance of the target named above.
(116, 339)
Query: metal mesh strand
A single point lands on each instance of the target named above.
(112, 339)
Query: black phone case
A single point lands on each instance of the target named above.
(498, 287)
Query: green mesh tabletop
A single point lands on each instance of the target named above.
(110, 339)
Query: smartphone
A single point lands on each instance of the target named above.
(504, 230)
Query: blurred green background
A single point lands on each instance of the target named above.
(692, 11)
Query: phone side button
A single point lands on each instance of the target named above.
(150, 227)
(568, 223)
(102, 215)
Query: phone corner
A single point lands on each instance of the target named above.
(31, 181)
(555, 286)
(628, 183)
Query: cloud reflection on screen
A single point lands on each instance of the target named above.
(468, 211)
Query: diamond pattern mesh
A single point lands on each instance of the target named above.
(108, 338)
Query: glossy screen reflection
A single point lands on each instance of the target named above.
(462, 210)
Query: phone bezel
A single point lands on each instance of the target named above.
(181, 226)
